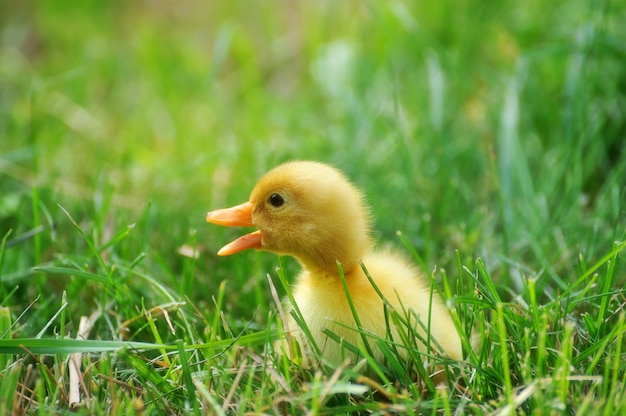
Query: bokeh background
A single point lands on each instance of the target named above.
(494, 129)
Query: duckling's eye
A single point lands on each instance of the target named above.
(276, 200)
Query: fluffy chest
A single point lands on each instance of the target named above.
(324, 306)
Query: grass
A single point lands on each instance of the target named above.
(496, 129)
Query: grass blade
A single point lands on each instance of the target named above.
(68, 346)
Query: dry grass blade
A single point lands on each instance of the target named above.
(75, 361)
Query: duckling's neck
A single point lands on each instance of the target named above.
(329, 270)
(326, 265)
(322, 258)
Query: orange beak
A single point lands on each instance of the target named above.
(237, 216)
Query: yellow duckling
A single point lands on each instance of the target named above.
(310, 211)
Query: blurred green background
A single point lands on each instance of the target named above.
(495, 128)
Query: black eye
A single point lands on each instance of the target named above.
(276, 200)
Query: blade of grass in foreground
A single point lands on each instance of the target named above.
(191, 390)
(68, 346)
(5, 331)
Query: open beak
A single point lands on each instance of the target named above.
(237, 216)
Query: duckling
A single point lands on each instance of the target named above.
(311, 211)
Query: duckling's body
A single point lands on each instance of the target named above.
(311, 211)
(324, 305)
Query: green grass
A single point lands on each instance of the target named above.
(492, 135)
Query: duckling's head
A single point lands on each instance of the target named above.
(308, 210)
